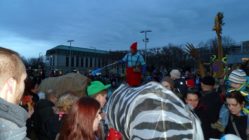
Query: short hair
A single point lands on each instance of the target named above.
(193, 91)
(236, 95)
(79, 121)
(208, 80)
(11, 65)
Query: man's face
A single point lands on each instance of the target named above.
(20, 88)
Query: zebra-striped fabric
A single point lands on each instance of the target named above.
(151, 112)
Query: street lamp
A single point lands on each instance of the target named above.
(145, 40)
(70, 53)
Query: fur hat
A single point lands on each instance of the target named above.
(237, 76)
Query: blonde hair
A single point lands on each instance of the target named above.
(11, 65)
(65, 101)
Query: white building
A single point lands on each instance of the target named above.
(66, 58)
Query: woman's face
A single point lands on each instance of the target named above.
(233, 106)
(96, 121)
(192, 99)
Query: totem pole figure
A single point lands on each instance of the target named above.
(219, 64)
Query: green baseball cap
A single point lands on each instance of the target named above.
(95, 87)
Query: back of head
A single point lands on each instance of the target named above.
(11, 65)
(208, 80)
(80, 119)
(12, 76)
(237, 76)
(65, 101)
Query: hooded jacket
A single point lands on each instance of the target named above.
(12, 121)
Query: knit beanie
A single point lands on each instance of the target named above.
(134, 46)
(237, 76)
(175, 73)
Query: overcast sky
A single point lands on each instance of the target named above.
(31, 27)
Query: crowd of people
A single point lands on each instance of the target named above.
(26, 112)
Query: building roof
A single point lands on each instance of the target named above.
(72, 48)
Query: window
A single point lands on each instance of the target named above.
(81, 64)
(67, 61)
(53, 60)
(90, 62)
(72, 61)
(86, 62)
(77, 61)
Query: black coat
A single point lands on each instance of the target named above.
(42, 113)
(208, 112)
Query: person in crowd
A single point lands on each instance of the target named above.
(179, 82)
(209, 107)
(12, 76)
(135, 66)
(32, 88)
(31, 91)
(168, 83)
(43, 111)
(98, 91)
(237, 81)
(82, 121)
(238, 122)
(192, 98)
(63, 105)
(157, 75)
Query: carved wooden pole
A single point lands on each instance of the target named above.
(218, 29)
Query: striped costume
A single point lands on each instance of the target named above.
(151, 112)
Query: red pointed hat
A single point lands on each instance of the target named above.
(134, 46)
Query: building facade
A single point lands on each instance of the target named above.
(67, 59)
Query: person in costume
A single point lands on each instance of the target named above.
(135, 66)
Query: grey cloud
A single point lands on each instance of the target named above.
(114, 24)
